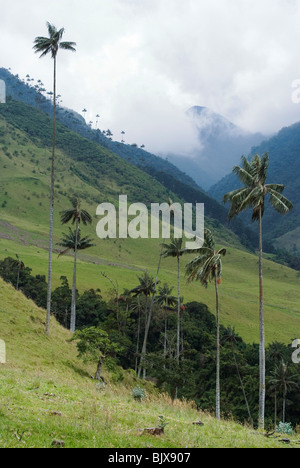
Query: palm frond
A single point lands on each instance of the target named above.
(222, 252)
(254, 198)
(174, 248)
(69, 241)
(67, 216)
(209, 240)
(75, 214)
(280, 203)
(276, 187)
(245, 177)
(63, 252)
(263, 168)
(68, 46)
(235, 195)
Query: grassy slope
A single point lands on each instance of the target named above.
(24, 208)
(43, 376)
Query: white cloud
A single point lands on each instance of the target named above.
(142, 64)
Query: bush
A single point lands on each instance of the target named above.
(284, 428)
(139, 394)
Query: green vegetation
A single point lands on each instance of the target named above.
(47, 394)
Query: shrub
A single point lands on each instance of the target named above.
(162, 423)
(285, 428)
(139, 394)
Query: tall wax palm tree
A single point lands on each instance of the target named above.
(76, 215)
(45, 46)
(166, 301)
(206, 267)
(253, 174)
(19, 265)
(145, 287)
(175, 249)
(74, 241)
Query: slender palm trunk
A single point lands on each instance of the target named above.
(218, 409)
(262, 358)
(166, 329)
(284, 407)
(144, 347)
(275, 411)
(51, 206)
(149, 317)
(73, 305)
(138, 341)
(18, 278)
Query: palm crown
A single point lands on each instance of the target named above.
(76, 214)
(69, 242)
(207, 265)
(253, 175)
(52, 43)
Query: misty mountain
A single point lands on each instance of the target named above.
(284, 152)
(221, 144)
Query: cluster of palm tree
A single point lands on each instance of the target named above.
(206, 267)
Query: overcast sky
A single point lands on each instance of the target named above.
(141, 64)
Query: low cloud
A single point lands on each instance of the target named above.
(141, 65)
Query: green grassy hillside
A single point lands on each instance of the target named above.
(47, 394)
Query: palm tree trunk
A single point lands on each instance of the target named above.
(73, 305)
(275, 411)
(284, 407)
(262, 358)
(166, 329)
(138, 341)
(144, 347)
(18, 278)
(218, 409)
(51, 206)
